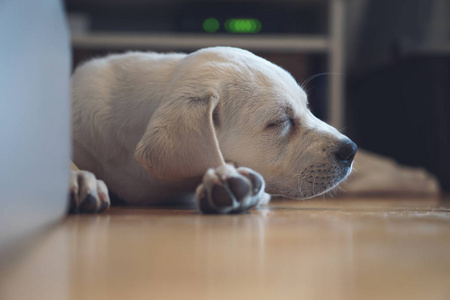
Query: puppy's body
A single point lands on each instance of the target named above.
(113, 100)
(150, 125)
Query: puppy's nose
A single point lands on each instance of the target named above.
(346, 150)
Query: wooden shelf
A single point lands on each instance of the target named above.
(283, 43)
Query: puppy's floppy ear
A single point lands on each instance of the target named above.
(180, 139)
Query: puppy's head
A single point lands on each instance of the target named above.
(226, 104)
(263, 122)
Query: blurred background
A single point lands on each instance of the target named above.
(378, 70)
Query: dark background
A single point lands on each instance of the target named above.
(397, 56)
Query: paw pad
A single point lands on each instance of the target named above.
(230, 190)
(239, 187)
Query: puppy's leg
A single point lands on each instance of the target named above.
(87, 194)
(229, 190)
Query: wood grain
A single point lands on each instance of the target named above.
(384, 248)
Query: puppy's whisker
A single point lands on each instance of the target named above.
(298, 184)
(330, 193)
(304, 180)
(309, 79)
(314, 182)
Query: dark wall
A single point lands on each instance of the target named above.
(403, 110)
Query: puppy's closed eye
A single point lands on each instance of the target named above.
(281, 123)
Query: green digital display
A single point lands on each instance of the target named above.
(243, 25)
(233, 25)
(211, 25)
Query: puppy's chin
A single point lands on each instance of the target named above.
(313, 181)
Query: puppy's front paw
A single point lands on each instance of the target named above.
(229, 190)
(87, 194)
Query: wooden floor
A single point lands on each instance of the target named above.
(321, 249)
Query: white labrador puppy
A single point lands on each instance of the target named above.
(154, 127)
